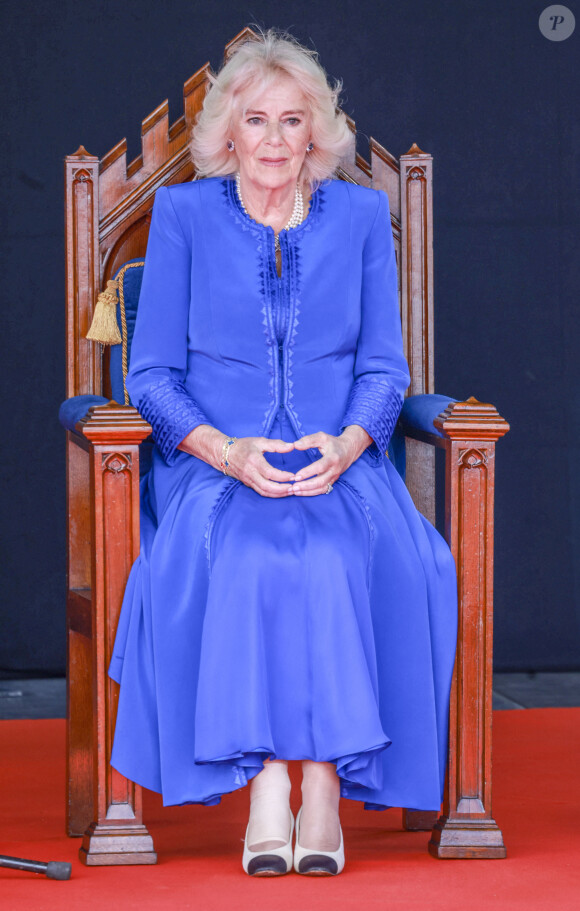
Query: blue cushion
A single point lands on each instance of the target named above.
(418, 412)
(72, 410)
(131, 279)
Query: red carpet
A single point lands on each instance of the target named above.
(536, 804)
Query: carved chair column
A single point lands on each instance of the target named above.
(416, 277)
(83, 358)
(466, 827)
(117, 834)
(415, 270)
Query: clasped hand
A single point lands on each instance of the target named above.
(248, 464)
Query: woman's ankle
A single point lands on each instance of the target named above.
(320, 824)
(320, 777)
(269, 807)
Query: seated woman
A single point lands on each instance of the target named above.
(289, 602)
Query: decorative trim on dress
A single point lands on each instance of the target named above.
(271, 287)
(220, 501)
(172, 413)
(363, 504)
(374, 404)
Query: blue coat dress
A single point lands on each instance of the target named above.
(317, 627)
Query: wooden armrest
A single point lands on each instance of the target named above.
(462, 421)
(113, 424)
(471, 420)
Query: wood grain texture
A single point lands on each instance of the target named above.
(466, 827)
(82, 271)
(102, 804)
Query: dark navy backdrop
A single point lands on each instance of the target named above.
(476, 85)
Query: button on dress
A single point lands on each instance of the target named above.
(298, 627)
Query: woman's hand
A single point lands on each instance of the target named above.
(338, 454)
(248, 465)
(246, 462)
(245, 459)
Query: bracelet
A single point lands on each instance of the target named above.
(224, 464)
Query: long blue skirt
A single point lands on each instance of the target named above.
(316, 628)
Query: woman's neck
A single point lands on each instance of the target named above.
(271, 206)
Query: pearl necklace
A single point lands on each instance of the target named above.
(297, 212)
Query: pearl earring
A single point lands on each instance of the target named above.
(231, 145)
(309, 147)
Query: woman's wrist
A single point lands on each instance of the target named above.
(357, 439)
(206, 443)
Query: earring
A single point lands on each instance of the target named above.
(231, 145)
(309, 147)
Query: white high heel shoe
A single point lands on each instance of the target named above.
(317, 863)
(275, 861)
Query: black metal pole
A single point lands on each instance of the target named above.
(54, 869)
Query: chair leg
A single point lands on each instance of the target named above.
(419, 820)
(116, 834)
(466, 827)
(79, 750)
(79, 682)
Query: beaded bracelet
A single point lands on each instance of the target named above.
(224, 464)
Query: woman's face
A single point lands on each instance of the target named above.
(272, 136)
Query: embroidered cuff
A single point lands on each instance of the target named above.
(375, 405)
(172, 413)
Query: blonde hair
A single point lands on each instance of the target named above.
(254, 64)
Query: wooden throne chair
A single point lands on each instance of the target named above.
(108, 209)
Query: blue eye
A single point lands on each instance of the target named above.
(290, 121)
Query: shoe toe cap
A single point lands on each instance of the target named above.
(318, 864)
(267, 865)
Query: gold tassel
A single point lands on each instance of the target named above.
(104, 327)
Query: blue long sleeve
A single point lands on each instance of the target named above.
(159, 349)
(381, 373)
